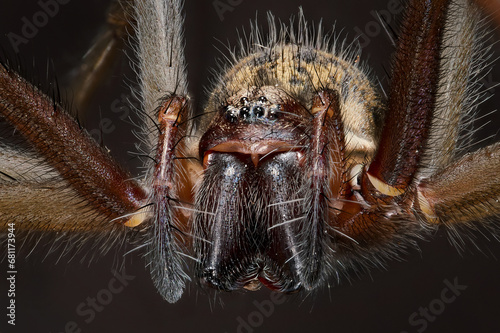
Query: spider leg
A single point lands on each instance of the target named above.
(388, 183)
(408, 179)
(465, 191)
(73, 159)
(30, 185)
(97, 63)
(412, 98)
(166, 135)
(460, 189)
(168, 225)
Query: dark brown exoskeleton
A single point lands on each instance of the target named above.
(296, 170)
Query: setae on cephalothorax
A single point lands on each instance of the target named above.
(296, 170)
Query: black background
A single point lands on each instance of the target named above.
(48, 293)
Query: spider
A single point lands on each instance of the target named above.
(260, 253)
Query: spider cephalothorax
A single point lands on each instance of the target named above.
(269, 143)
(297, 168)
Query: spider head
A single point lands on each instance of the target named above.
(276, 152)
(256, 143)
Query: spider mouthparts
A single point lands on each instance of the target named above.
(253, 285)
(263, 278)
(257, 283)
(256, 150)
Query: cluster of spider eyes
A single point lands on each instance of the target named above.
(251, 111)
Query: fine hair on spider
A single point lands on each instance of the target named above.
(298, 168)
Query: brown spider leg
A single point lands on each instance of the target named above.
(168, 221)
(465, 191)
(87, 167)
(405, 132)
(412, 99)
(97, 63)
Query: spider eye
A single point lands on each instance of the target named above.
(231, 114)
(259, 111)
(262, 99)
(245, 112)
(244, 100)
(273, 114)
